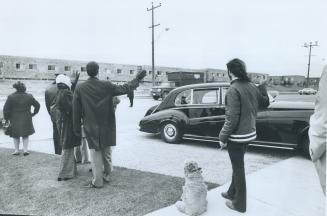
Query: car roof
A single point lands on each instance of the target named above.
(202, 85)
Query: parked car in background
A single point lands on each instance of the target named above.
(162, 90)
(308, 91)
(198, 112)
(177, 79)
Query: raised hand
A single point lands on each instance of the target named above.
(140, 75)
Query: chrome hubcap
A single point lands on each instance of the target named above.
(170, 130)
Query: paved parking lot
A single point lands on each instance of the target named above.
(141, 151)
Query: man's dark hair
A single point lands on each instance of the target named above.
(19, 86)
(92, 68)
(238, 68)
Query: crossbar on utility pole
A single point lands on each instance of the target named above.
(152, 27)
(309, 45)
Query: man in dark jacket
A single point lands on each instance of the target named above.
(130, 96)
(243, 100)
(93, 103)
(50, 96)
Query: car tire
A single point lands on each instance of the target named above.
(305, 146)
(156, 97)
(170, 133)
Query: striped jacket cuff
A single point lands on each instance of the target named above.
(243, 138)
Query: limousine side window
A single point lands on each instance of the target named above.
(223, 94)
(183, 98)
(205, 96)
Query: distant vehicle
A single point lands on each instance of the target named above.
(162, 90)
(198, 112)
(177, 79)
(307, 91)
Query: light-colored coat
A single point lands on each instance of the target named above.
(318, 130)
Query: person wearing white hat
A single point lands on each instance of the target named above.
(62, 112)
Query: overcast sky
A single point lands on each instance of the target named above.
(267, 34)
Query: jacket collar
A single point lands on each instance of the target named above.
(234, 80)
(93, 78)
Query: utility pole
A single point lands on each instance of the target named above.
(152, 27)
(309, 45)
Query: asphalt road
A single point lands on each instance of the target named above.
(147, 152)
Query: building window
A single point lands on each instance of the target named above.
(18, 66)
(159, 72)
(83, 69)
(131, 72)
(51, 67)
(67, 68)
(119, 71)
(1, 64)
(32, 66)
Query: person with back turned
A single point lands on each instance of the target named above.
(50, 97)
(93, 104)
(243, 100)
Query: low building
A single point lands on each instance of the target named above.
(289, 80)
(42, 68)
(18, 67)
(313, 82)
(258, 78)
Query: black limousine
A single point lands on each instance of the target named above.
(198, 112)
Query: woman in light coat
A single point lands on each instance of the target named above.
(318, 131)
(17, 110)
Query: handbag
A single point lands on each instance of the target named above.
(7, 128)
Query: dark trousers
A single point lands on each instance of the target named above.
(56, 141)
(131, 100)
(237, 188)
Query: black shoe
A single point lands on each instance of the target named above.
(226, 196)
(91, 185)
(230, 205)
(15, 153)
(63, 179)
(90, 170)
(26, 153)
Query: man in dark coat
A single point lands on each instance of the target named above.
(50, 97)
(93, 103)
(130, 96)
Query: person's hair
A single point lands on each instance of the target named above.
(238, 68)
(62, 86)
(92, 68)
(19, 86)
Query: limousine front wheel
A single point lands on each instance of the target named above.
(170, 133)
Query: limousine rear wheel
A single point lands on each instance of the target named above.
(170, 132)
